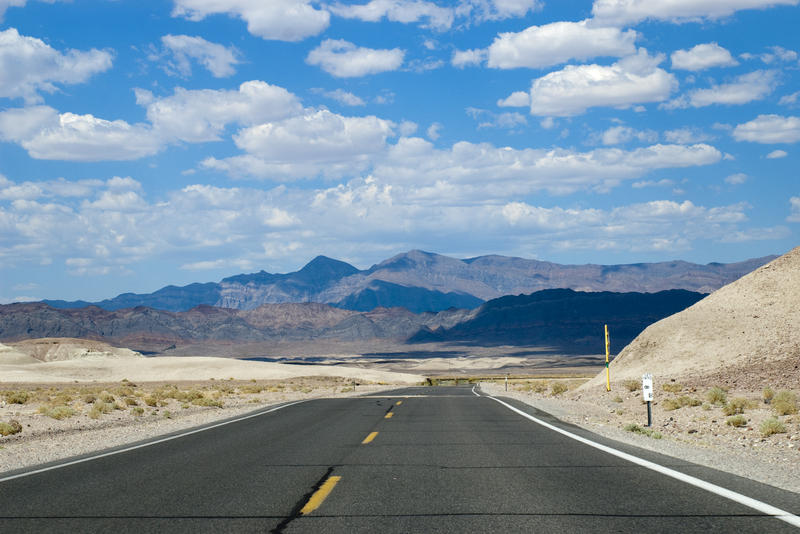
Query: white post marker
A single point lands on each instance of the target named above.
(647, 395)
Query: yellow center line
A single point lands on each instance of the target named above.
(388, 415)
(399, 403)
(320, 495)
(369, 438)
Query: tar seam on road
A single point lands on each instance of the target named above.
(298, 508)
(369, 438)
(760, 506)
(320, 495)
(142, 445)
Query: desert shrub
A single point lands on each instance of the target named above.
(346, 390)
(252, 390)
(772, 426)
(680, 402)
(737, 420)
(557, 388)
(767, 394)
(130, 401)
(137, 411)
(670, 404)
(89, 398)
(717, 395)
(672, 388)
(706, 406)
(636, 429)
(12, 427)
(632, 384)
(617, 399)
(123, 391)
(150, 400)
(736, 405)
(17, 397)
(59, 411)
(205, 401)
(105, 396)
(167, 414)
(99, 408)
(784, 403)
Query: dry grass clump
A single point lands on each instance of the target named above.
(767, 394)
(680, 402)
(636, 429)
(672, 388)
(784, 403)
(772, 426)
(717, 395)
(205, 401)
(138, 411)
(99, 408)
(736, 420)
(557, 388)
(737, 405)
(12, 427)
(60, 411)
(632, 384)
(16, 397)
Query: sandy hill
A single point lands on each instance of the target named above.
(746, 334)
(58, 349)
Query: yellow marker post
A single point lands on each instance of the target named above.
(608, 371)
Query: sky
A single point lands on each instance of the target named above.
(152, 143)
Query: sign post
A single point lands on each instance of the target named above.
(506, 382)
(608, 372)
(647, 395)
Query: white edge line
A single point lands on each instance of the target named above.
(475, 392)
(147, 444)
(763, 507)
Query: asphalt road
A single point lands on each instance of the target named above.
(418, 460)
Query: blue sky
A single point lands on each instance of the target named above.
(153, 143)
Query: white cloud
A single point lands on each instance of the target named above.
(201, 115)
(219, 60)
(747, 88)
(468, 58)
(617, 135)
(344, 97)
(664, 182)
(405, 11)
(344, 59)
(487, 10)
(30, 66)
(558, 42)
(517, 99)
(488, 119)
(574, 89)
(624, 12)
(777, 154)
(769, 129)
(282, 20)
(736, 179)
(794, 216)
(46, 134)
(775, 55)
(685, 136)
(312, 144)
(701, 57)
(433, 131)
(789, 100)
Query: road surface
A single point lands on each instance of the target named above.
(435, 459)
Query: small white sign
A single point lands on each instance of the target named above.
(647, 387)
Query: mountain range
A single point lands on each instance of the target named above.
(425, 282)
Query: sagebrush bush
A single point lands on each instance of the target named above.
(17, 397)
(767, 394)
(99, 408)
(717, 395)
(632, 384)
(672, 388)
(772, 426)
(736, 405)
(784, 403)
(636, 429)
(205, 401)
(151, 400)
(557, 388)
(680, 402)
(60, 411)
(737, 420)
(12, 427)
(137, 410)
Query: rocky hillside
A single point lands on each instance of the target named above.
(421, 281)
(745, 334)
(567, 320)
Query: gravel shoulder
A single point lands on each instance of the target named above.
(132, 412)
(698, 434)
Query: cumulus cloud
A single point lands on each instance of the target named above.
(769, 129)
(317, 142)
(746, 88)
(281, 20)
(794, 216)
(617, 135)
(405, 11)
(344, 97)
(572, 90)
(201, 115)
(777, 154)
(46, 134)
(468, 58)
(701, 57)
(517, 99)
(622, 12)
(558, 42)
(219, 60)
(30, 66)
(343, 59)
